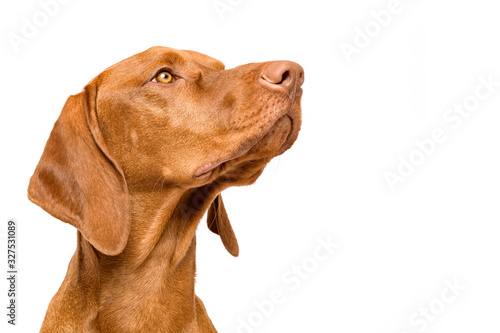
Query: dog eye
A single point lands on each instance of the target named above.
(164, 77)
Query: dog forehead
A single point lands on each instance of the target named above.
(155, 57)
(205, 60)
(169, 56)
(181, 57)
(150, 58)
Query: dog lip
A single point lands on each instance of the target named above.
(201, 175)
(206, 170)
(290, 139)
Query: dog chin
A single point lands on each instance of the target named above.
(276, 141)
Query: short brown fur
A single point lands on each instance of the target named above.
(134, 164)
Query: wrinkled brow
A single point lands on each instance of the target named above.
(176, 60)
(206, 61)
(173, 58)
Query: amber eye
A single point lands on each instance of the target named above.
(164, 77)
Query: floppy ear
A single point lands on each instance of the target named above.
(218, 222)
(78, 182)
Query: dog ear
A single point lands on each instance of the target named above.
(218, 222)
(79, 182)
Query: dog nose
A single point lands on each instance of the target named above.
(286, 75)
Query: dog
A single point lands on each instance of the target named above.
(133, 163)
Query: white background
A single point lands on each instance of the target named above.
(397, 248)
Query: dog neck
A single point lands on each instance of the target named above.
(150, 285)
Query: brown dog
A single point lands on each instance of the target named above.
(135, 160)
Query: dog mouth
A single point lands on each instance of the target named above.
(278, 138)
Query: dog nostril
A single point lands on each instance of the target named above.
(285, 75)
(301, 78)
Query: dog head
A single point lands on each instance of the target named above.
(164, 116)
